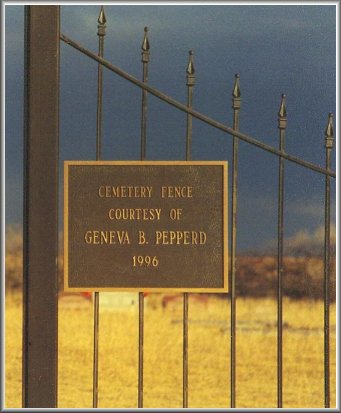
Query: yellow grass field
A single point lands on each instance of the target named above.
(209, 354)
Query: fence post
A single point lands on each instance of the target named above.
(329, 141)
(100, 33)
(236, 104)
(40, 226)
(190, 82)
(282, 125)
(145, 60)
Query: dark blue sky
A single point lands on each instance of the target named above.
(276, 49)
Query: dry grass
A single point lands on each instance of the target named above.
(208, 354)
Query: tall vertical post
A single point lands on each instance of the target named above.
(329, 140)
(145, 60)
(40, 220)
(100, 33)
(190, 84)
(282, 124)
(236, 103)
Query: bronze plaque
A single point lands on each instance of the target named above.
(145, 226)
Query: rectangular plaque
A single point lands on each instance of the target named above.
(145, 226)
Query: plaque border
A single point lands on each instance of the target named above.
(223, 289)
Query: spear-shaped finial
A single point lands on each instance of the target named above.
(145, 47)
(101, 17)
(190, 67)
(282, 114)
(329, 132)
(190, 70)
(236, 100)
(236, 87)
(282, 109)
(145, 44)
(101, 22)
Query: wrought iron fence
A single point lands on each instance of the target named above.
(44, 21)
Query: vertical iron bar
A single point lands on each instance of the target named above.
(141, 337)
(329, 137)
(101, 33)
(236, 103)
(282, 124)
(185, 352)
(95, 355)
(145, 59)
(40, 212)
(190, 84)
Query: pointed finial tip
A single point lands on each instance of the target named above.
(329, 132)
(145, 44)
(190, 66)
(282, 113)
(329, 128)
(283, 99)
(101, 17)
(236, 89)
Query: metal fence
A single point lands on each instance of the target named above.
(41, 292)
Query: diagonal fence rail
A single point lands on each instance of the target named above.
(173, 102)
